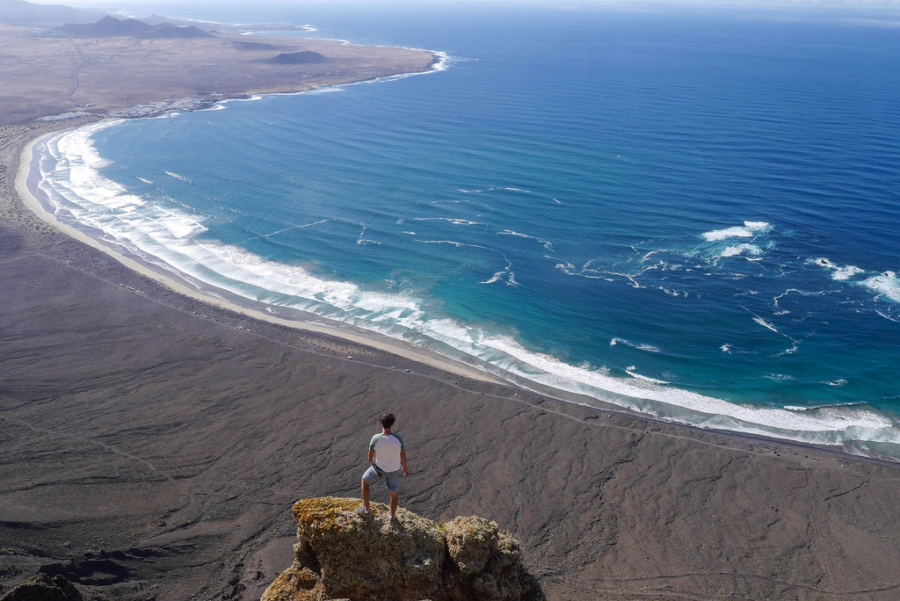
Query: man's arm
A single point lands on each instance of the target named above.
(403, 463)
(371, 457)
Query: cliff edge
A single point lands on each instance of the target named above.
(341, 555)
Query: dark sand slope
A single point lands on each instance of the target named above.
(151, 447)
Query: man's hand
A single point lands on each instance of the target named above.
(405, 472)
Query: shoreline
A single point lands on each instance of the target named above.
(628, 505)
(308, 323)
(384, 343)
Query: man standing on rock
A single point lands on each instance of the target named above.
(387, 460)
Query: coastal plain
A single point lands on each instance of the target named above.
(46, 75)
(151, 444)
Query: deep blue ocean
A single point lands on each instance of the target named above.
(693, 214)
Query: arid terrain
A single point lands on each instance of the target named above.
(46, 75)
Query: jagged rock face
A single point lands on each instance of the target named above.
(488, 558)
(341, 555)
(44, 588)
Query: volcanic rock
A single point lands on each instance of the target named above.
(342, 555)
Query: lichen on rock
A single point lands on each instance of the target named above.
(341, 555)
(44, 588)
(490, 558)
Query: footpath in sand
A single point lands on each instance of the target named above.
(152, 446)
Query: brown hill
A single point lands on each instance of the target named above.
(109, 27)
(306, 57)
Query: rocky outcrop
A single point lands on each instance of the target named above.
(341, 555)
(44, 588)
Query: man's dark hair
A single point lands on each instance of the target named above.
(387, 420)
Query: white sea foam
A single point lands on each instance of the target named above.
(845, 273)
(78, 165)
(670, 291)
(448, 220)
(325, 90)
(789, 351)
(443, 62)
(178, 177)
(741, 249)
(180, 226)
(632, 279)
(451, 243)
(778, 377)
(494, 278)
(569, 269)
(839, 273)
(748, 230)
(546, 243)
(631, 372)
(887, 316)
(146, 181)
(293, 227)
(886, 285)
(169, 238)
(777, 299)
(766, 324)
(506, 273)
(641, 347)
(252, 98)
(361, 240)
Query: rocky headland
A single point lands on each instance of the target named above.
(342, 555)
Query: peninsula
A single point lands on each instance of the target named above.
(130, 68)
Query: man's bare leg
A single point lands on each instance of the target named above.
(395, 499)
(365, 494)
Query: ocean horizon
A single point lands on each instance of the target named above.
(689, 214)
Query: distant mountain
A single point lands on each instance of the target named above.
(19, 12)
(109, 27)
(254, 46)
(167, 30)
(307, 57)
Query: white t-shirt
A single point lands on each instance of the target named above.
(387, 449)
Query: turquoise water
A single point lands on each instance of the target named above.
(694, 215)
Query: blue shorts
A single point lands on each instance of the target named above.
(391, 479)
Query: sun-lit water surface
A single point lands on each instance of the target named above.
(691, 215)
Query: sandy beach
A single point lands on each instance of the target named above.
(154, 437)
(310, 324)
